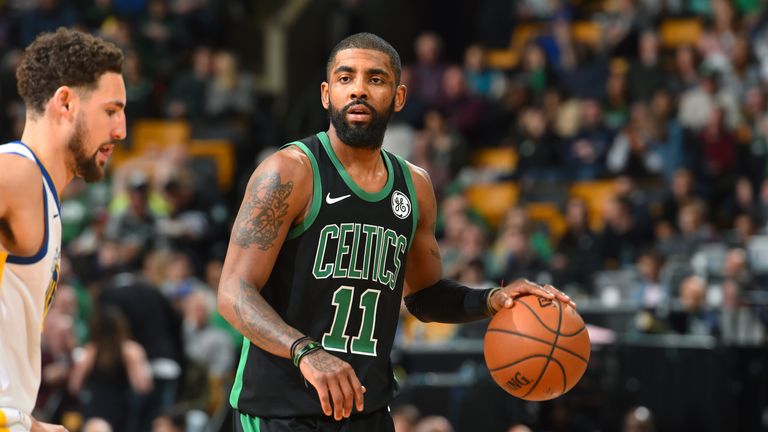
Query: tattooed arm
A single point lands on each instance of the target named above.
(278, 193)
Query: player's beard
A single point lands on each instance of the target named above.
(368, 136)
(84, 166)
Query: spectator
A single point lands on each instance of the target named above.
(481, 80)
(669, 135)
(159, 35)
(539, 149)
(203, 342)
(463, 110)
(136, 227)
(695, 317)
(230, 92)
(427, 72)
(58, 344)
(622, 237)
(170, 421)
(638, 419)
(534, 70)
(646, 75)
(577, 255)
(681, 193)
(97, 424)
(586, 152)
(739, 322)
(112, 370)
(439, 150)
(47, 16)
(434, 424)
(186, 98)
(634, 151)
(685, 76)
(138, 88)
(649, 291)
(405, 417)
(157, 328)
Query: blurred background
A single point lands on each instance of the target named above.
(614, 148)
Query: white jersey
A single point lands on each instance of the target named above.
(27, 286)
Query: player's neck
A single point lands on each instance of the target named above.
(355, 158)
(43, 139)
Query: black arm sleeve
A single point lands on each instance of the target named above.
(448, 302)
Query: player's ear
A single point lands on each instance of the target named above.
(400, 96)
(324, 96)
(63, 101)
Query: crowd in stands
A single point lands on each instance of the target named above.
(631, 164)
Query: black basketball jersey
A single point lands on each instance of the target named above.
(339, 279)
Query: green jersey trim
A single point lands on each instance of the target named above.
(250, 424)
(366, 196)
(317, 193)
(414, 197)
(237, 387)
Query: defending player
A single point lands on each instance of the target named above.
(74, 96)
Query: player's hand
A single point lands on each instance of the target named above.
(505, 297)
(46, 427)
(335, 382)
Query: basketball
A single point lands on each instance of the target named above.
(537, 350)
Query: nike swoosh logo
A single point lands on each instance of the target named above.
(330, 200)
(56, 215)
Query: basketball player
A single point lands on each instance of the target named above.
(74, 96)
(331, 234)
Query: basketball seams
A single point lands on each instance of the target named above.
(584, 327)
(552, 351)
(516, 362)
(523, 335)
(562, 370)
(538, 318)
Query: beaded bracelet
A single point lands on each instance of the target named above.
(296, 343)
(306, 349)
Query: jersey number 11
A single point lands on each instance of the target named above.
(337, 339)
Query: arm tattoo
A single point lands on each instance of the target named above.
(259, 322)
(262, 213)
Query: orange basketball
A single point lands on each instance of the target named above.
(538, 350)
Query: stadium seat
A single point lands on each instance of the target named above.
(148, 134)
(508, 58)
(594, 193)
(497, 158)
(222, 153)
(493, 200)
(549, 215)
(588, 32)
(680, 31)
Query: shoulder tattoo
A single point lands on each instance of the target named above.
(263, 211)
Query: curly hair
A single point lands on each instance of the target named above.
(64, 58)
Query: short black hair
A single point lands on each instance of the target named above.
(371, 42)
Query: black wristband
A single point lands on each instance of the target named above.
(449, 302)
(306, 349)
(296, 343)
